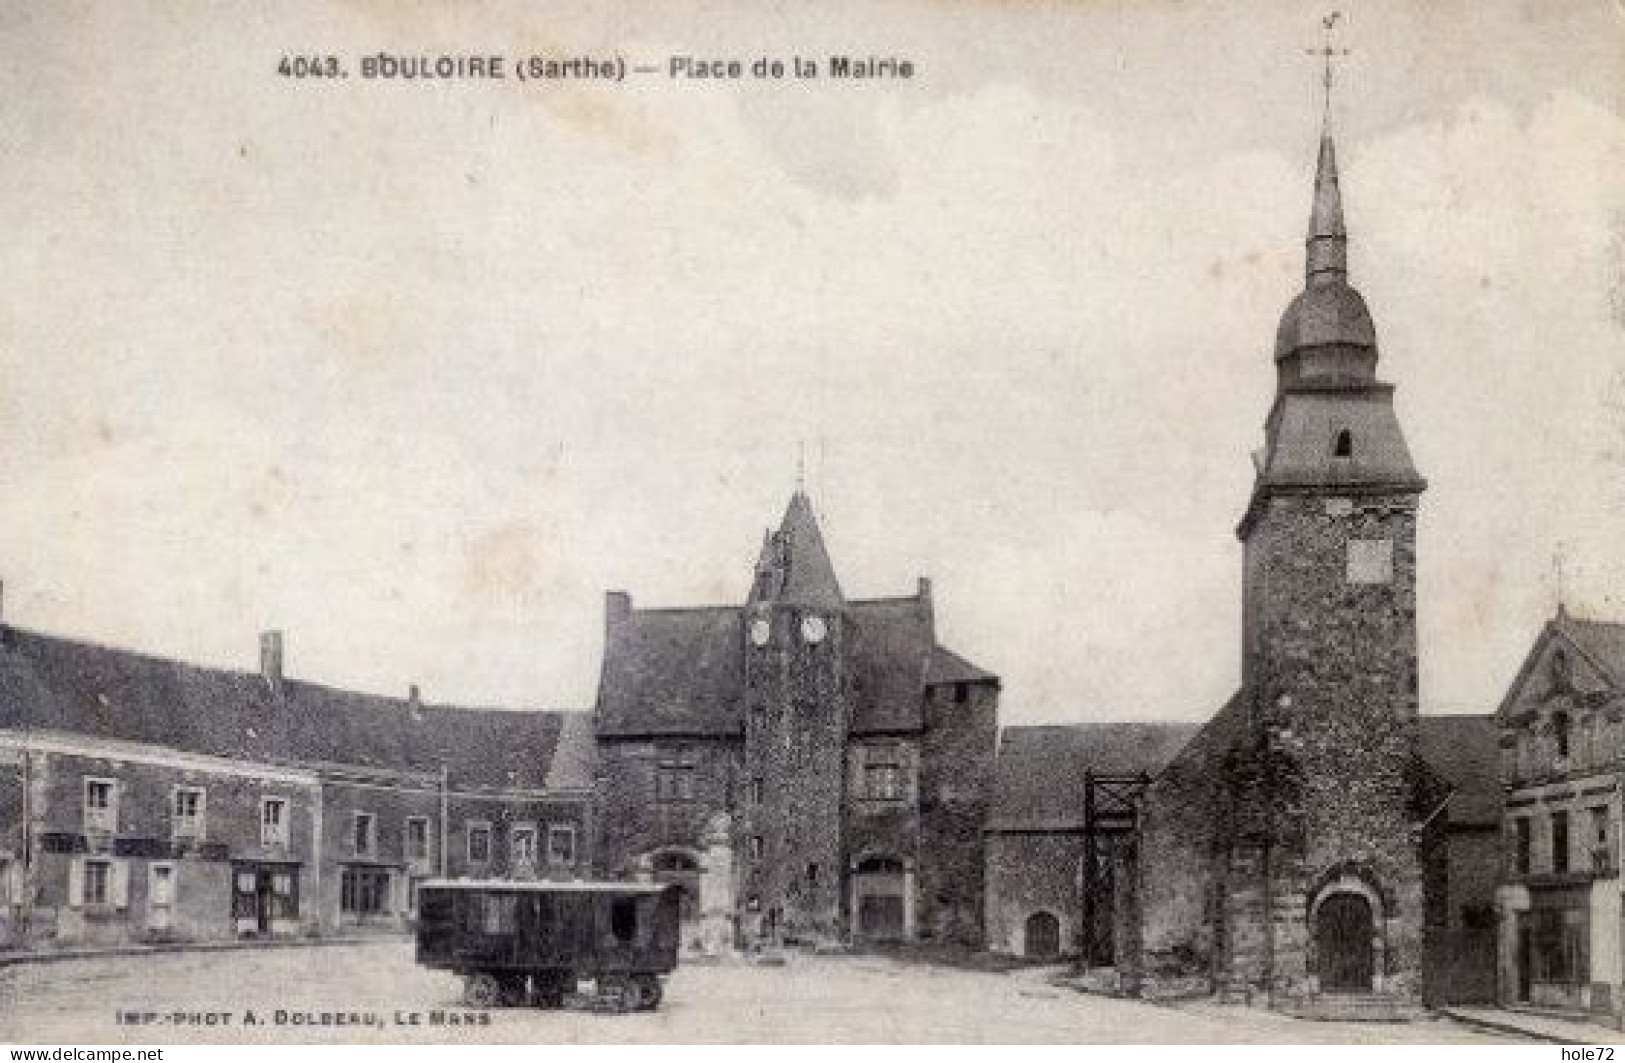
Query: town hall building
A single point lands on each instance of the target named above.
(809, 767)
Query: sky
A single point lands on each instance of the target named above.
(416, 372)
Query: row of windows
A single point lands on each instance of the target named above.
(1599, 847)
(189, 804)
(881, 777)
(188, 813)
(561, 843)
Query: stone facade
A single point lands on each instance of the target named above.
(845, 754)
(1034, 877)
(1043, 822)
(1282, 849)
(1334, 672)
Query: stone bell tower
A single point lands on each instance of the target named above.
(797, 714)
(1326, 893)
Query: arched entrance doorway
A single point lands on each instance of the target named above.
(683, 871)
(1042, 940)
(1343, 933)
(879, 893)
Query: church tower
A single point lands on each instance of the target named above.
(797, 701)
(1326, 894)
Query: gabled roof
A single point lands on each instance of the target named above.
(1039, 775)
(1463, 751)
(56, 684)
(1601, 640)
(1599, 643)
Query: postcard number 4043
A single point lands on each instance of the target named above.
(310, 66)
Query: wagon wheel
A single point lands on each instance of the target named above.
(548, 990)
(482, 990)
(647, 987)
(618, 992)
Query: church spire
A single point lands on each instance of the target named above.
(1327, 244)
(1326, 260)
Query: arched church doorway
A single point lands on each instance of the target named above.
(1343, 932)
(1042, 940)
(879, 891)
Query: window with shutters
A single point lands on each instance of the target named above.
(522, 844)
(364, 834)
(561, 844)
(98, 882)
(161, 884)
(101, 806)
(186, 818)
(274, 822)
(479, 842)
(417, 839)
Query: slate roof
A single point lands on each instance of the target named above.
(682, 671)
(1038, 778)
(1602, 640)
(808, 575)
(58, 684)
(673, 671)
(1464, 752)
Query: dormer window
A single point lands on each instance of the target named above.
(1344, 445)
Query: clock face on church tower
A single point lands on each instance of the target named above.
(813, 630)
(760, 631)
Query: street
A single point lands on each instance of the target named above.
(376, 993)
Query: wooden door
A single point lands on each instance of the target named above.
(1043, 937)
(1343, 929)
(880, 917)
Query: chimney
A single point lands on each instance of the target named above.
(617, 608)
(271, 659)
(925, 589)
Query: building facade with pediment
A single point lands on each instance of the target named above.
(1562, 727)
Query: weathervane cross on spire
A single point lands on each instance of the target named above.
(1328, 52)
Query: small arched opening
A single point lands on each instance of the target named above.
(1343, 446)
(1041, 937)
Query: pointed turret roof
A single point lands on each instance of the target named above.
(808, 577)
